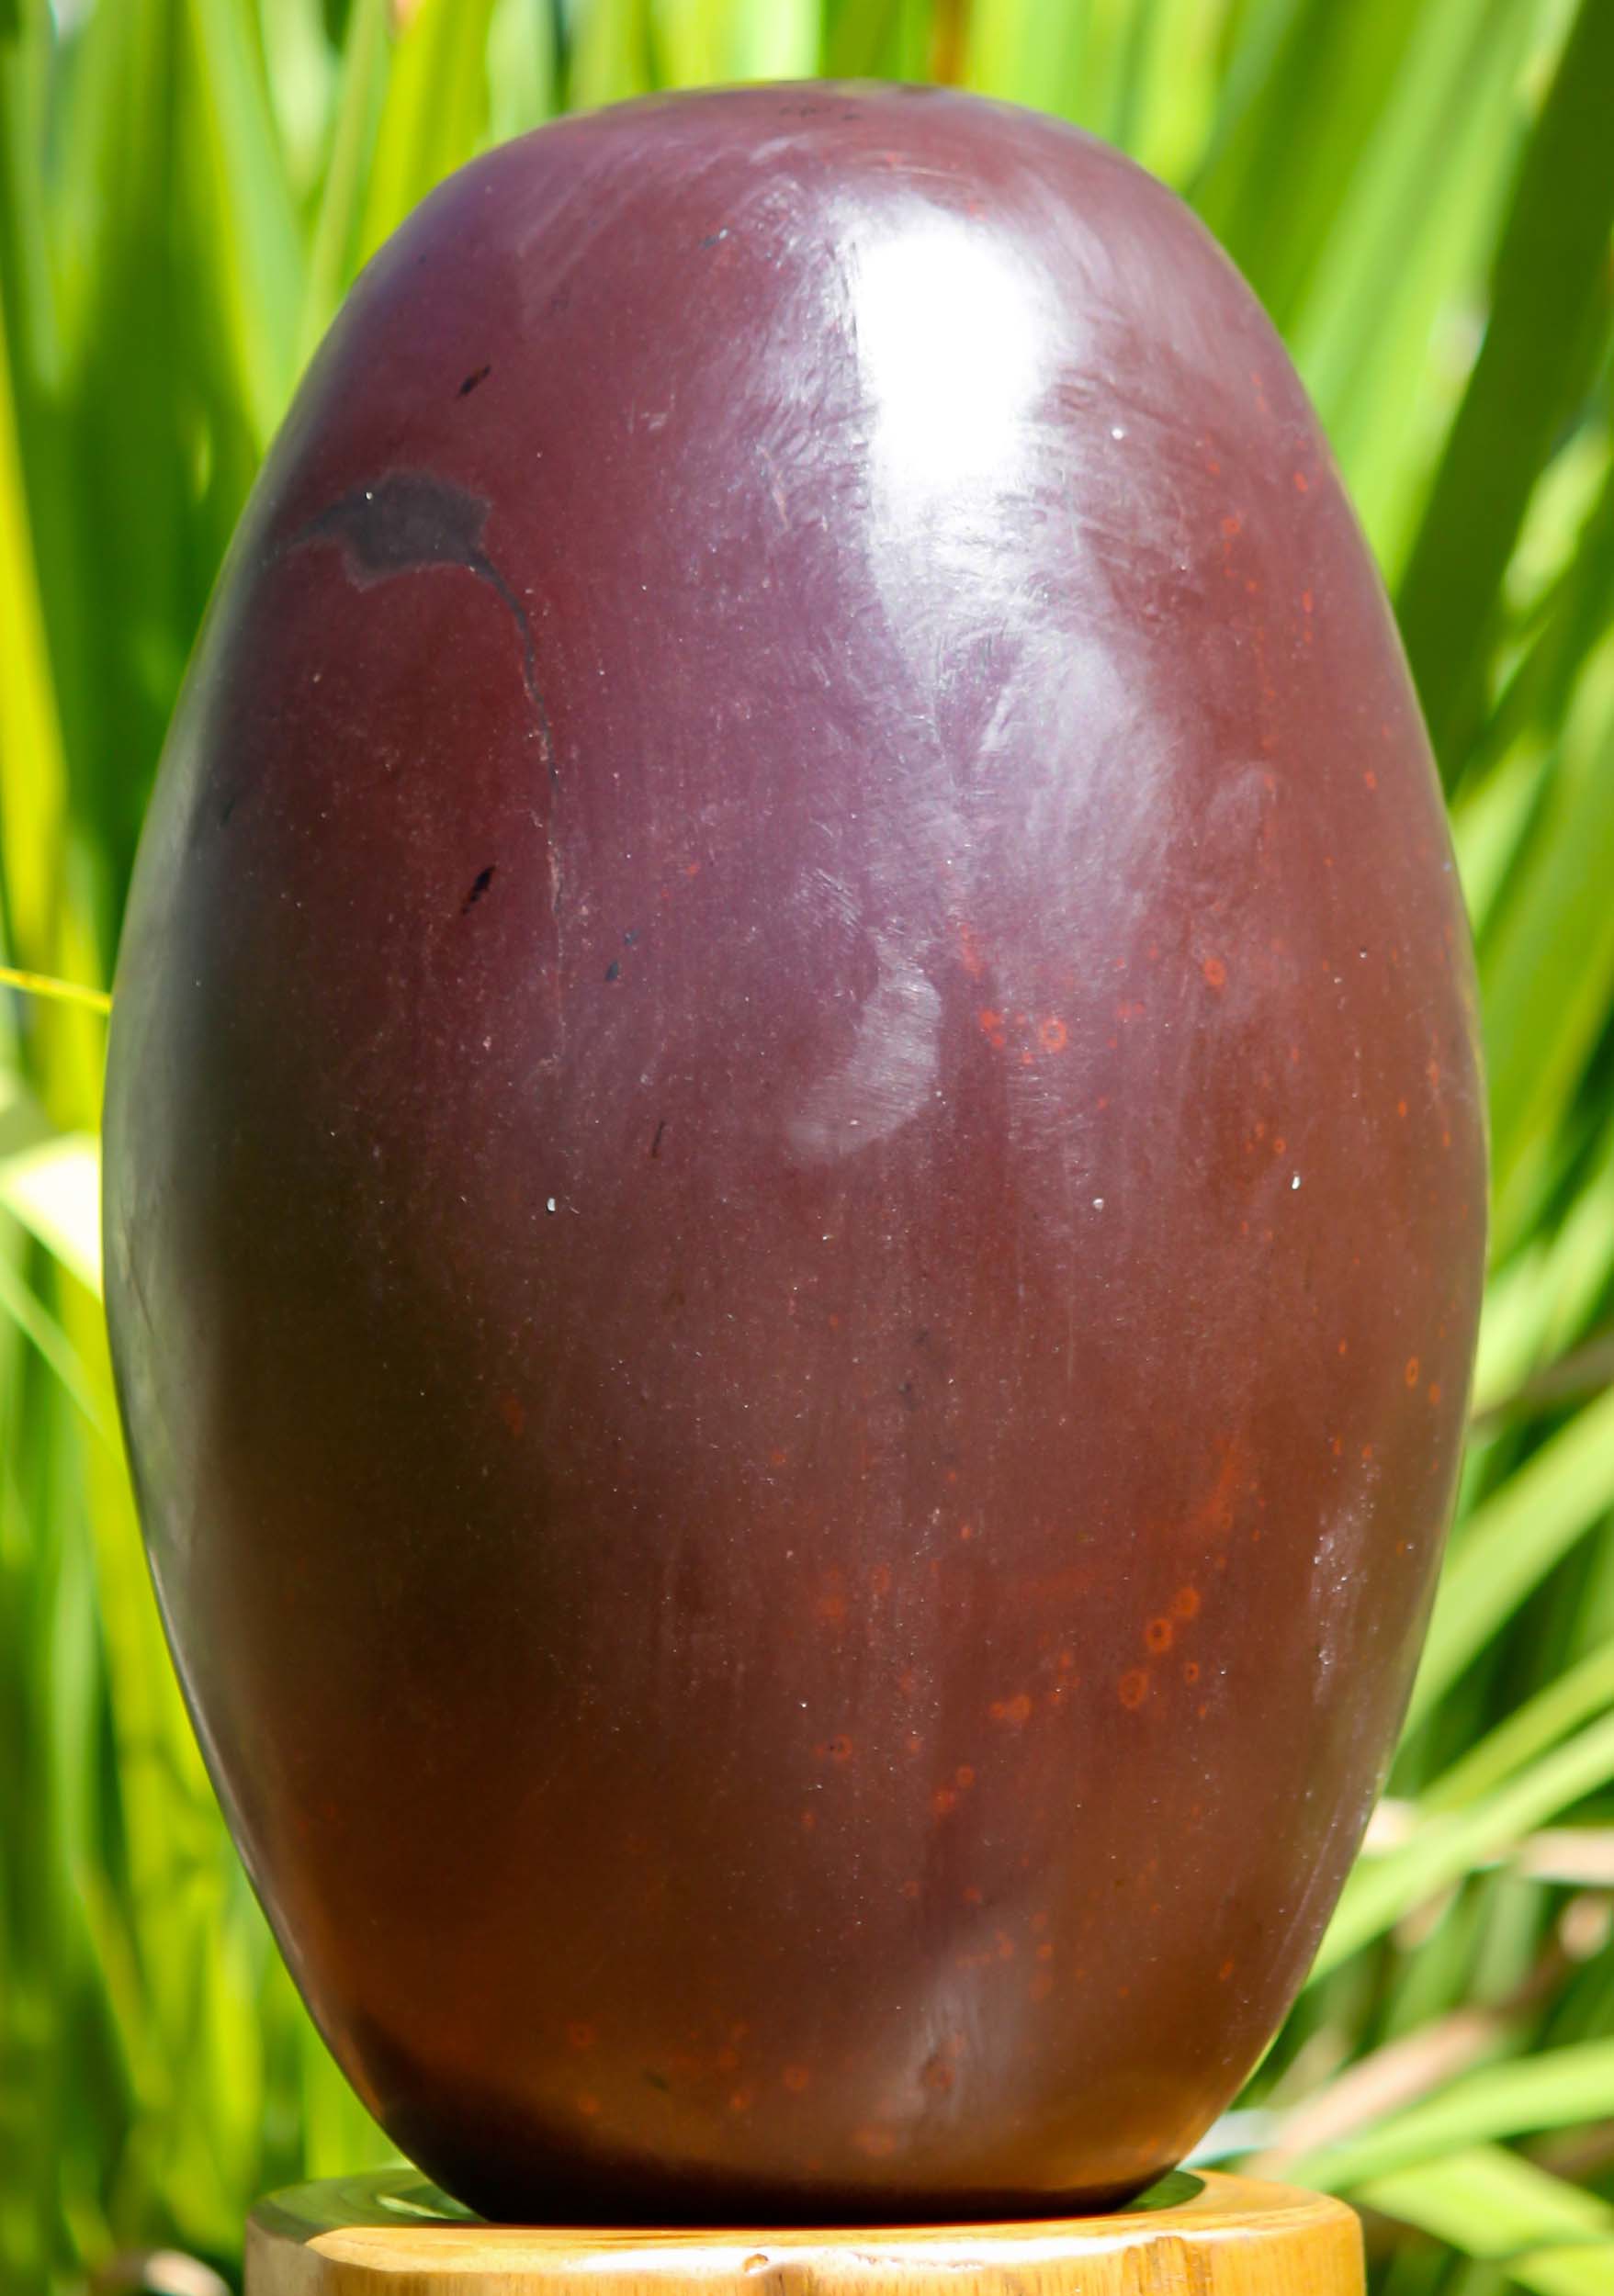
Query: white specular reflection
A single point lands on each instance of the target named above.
(951, 353)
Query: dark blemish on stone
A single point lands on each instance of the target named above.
(226, 808)
(471, 381)
(656, 1143)
(614, 969)
(410, 520)
(908, 1395)
(480, 883)
(658, 2080)
(713, 238)
(628, 937)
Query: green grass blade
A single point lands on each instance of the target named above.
(244, 219)
(1574, 1697)
(1560, 2089)
(1547, 962)
(435, 111)
(1547, 2236)
(1274, 186)
(1382, 1890)
(1513, 1540)
(1549, 306)
(334, 256)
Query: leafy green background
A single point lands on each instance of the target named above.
(1422, 192)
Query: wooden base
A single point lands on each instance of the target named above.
(396, 2235)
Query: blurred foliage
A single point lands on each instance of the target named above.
(1422, 193)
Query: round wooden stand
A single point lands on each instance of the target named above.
(1197, 2234)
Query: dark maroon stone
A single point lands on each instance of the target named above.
(796, 1176)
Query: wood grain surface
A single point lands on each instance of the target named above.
(1195, 2236)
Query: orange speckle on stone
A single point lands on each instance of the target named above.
(967, 1531)
(1434, 1391)
(692, 868)
(778, 1459)
(727, 2060)
(796, 2077)
(1190, 1672)
(1016, 1711)
(581, 2036)
(1302, 485)
(974, 965)
(992, 1026)
(1366, 1453)
(1045, 1952)
(911, 1889)
(937, 2077)
(839, 1748)
(1279, 1144)
(1133, 1687)
(1371, 778)
(1186, 1601)
(1410, 1374)
(1214, 468)
(1202, 1711)
(1041, 1985)
(1225, 1972)
(1306, 601)
(1338, 1446)
(1231, 524)
(964, 1777)
(1215, 971)
(743, 2100)
(1158, 1634)
(972, 1895)
(1004, 1943)
(879, 2144)
(1051, 1034)
(943, 1802)
(835, 1322)
(512, 1414)
(1344, 1348)
(880, 1580)
(1066, 1662)
(808, 1822)
(1433, 1072)
(587, 2106)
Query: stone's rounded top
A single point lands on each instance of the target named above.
(393, 2234)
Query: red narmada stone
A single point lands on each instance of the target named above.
(796, 1175)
